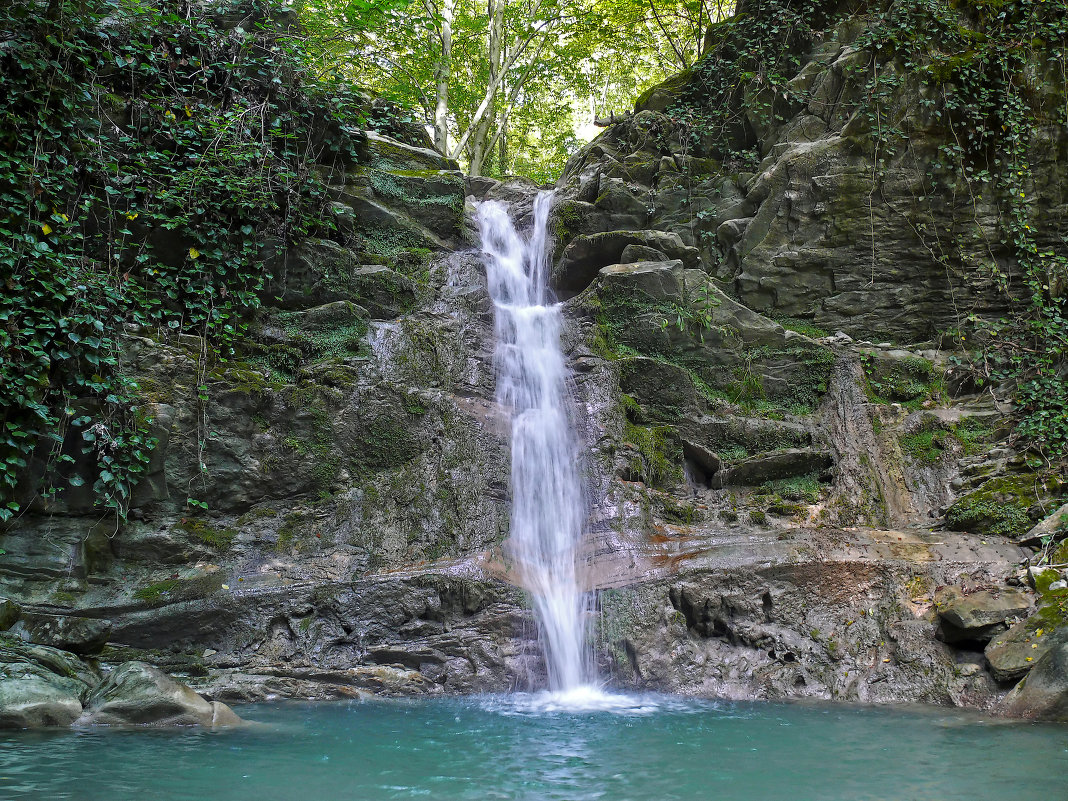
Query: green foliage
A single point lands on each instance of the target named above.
(145, 158)
(558, 59)
(798, 488)
(911, 381)
(749, 63)
(990, 77)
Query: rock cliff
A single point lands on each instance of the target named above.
(796, 490)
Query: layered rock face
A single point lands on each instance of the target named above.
(808, 497)
(354, 465)
(793, 491)
(802, 196)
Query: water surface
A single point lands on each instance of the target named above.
(649, 748)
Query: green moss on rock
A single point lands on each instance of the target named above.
(220, 538)
(658, 461)
(909, 381)
(999, 506)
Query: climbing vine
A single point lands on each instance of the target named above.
(150, 158)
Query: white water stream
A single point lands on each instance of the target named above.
(547, 504)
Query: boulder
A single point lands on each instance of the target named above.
(585, 255)
(1043, 693)
(54, 660)
(85, 636)
(1013, 653)
(9, 613)
(635, 253)
(656, 280)
(32, 696)
(139, 694)
(315, 272)
(977, 616)
(41, 686)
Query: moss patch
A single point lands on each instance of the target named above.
(1000, 505)
(658, 461)
(799, 488)
(927, 444)
(220, 538)
(910, 381)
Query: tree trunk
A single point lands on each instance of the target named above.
(502, 148)
(479, 145)
(443, 73)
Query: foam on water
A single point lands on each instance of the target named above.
(585, 699)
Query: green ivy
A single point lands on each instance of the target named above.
(147, 157)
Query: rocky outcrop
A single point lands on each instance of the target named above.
(798, 194)
(786, 403)
(979, 615)
(1043, 694)
(41, 686)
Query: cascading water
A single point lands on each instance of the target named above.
(547, 505)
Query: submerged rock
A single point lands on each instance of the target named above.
(41, 686)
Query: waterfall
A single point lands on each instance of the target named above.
(547, 504)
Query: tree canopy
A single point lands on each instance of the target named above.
(510, 86)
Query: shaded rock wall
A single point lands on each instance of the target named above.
(769, 505)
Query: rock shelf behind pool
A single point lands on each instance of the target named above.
(42, 686)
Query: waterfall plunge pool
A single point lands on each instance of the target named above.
(640, 748)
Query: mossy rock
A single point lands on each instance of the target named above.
(927, 444)
(1001, 505)
(220, 538)
(658, 456)
(910, 380)
(179, 589)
